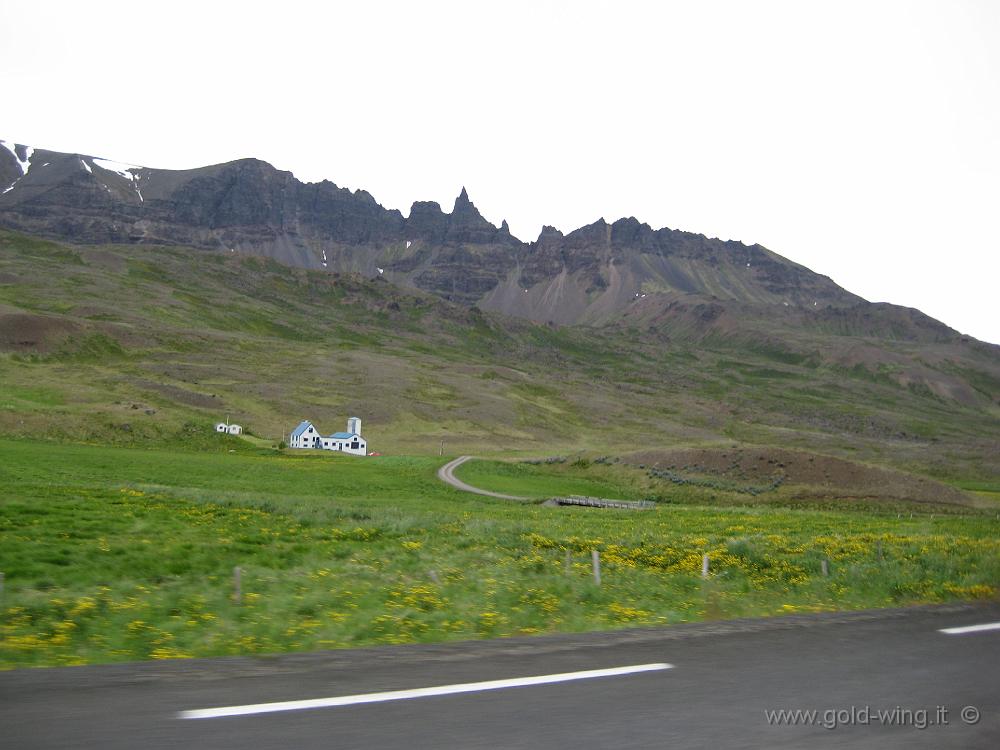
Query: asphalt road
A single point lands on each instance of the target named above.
(723, 679)
(447, 474)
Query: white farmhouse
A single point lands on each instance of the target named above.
(230, 429)
(307, 436)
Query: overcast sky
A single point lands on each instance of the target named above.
(861, 139)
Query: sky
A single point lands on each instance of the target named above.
(860, 139)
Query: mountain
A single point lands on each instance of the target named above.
(595, 274)
(667, 285)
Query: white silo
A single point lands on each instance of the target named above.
(354, 425)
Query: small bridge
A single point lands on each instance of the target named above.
(600, 502)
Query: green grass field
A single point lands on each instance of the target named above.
(114, 554)
(548, 480)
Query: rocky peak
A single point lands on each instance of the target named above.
(465, 211)
(427, 222)
(630, 232)
(462, 202)
(592, 235)
(466, 224)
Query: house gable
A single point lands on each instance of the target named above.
(304, 425)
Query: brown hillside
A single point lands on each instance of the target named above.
(811, 475)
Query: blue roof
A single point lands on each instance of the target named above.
(344, 435)
(303, 426)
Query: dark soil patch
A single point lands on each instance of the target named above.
(182, 396)
(104, 260)
(812, 475)
(22, 332)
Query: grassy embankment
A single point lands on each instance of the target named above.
(114, 554)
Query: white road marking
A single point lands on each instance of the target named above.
(971, 629)
(397, 695)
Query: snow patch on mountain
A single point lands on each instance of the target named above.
(24, 164)
(124, 170)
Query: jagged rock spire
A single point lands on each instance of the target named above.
(463, 205)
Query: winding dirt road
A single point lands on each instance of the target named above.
(446, 474)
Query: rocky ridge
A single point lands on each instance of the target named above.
(601, 273)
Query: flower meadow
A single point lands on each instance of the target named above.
(121, 561)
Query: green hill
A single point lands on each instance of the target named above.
(151, 346)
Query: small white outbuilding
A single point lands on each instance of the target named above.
(230, 429)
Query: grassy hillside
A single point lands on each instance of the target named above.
(150, 346)
(768, 445)
(116, 554)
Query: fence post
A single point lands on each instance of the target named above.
(704, 566)
(824, 567)
(237, 585)
(568, 564)
(596, 557)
